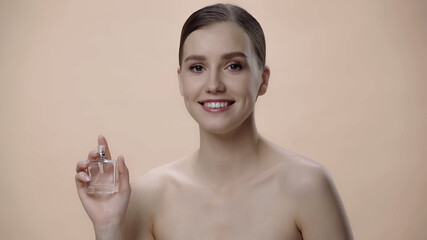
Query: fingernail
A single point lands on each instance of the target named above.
(87, 178)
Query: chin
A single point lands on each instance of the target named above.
(214, 128)
(220, 127)
(218, 131)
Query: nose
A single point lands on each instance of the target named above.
(215, 83)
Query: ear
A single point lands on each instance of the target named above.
(265, 78)
(178, 71)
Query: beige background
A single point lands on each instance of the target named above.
(348, 89)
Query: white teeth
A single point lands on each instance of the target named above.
(215, 104)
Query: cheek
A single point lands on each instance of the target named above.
(245, 90)
(250, 84)
(186, 94)
(189, 90)
(251, 88)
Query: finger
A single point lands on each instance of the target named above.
(124, 185)
(81, 181)
(82, 177)
(103, 141)
(82, 166)
(93, 155)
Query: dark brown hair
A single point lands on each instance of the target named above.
(226, 13)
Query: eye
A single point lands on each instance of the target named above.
(196, 68)
(235, 67)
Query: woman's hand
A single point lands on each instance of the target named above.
(107, 212)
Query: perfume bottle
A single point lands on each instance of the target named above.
(103, 174)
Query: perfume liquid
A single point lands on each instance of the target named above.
(103, 175)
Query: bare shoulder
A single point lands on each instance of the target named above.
(320, 213)
(306, 175)
(147, 194)
(300, 173)
(155, 181)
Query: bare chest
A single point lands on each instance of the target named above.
(260, 211)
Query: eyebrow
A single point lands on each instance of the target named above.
(233, 55)
(224, 56)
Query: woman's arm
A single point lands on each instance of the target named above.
(142, 207)
(321, 214)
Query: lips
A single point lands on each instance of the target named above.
(216, 105)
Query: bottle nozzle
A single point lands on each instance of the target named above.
(101, 150)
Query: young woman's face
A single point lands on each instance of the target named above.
(219, 77)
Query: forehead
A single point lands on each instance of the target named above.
(217, 39)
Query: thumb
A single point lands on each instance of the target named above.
(103, 141)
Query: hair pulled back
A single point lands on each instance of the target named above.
(226, 13)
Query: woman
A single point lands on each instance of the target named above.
(237, 185)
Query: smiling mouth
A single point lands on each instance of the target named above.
(217, 104)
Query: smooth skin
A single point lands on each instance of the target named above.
(237, 185)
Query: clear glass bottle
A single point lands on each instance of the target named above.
(103, 175)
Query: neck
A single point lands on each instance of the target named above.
(228, 157)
